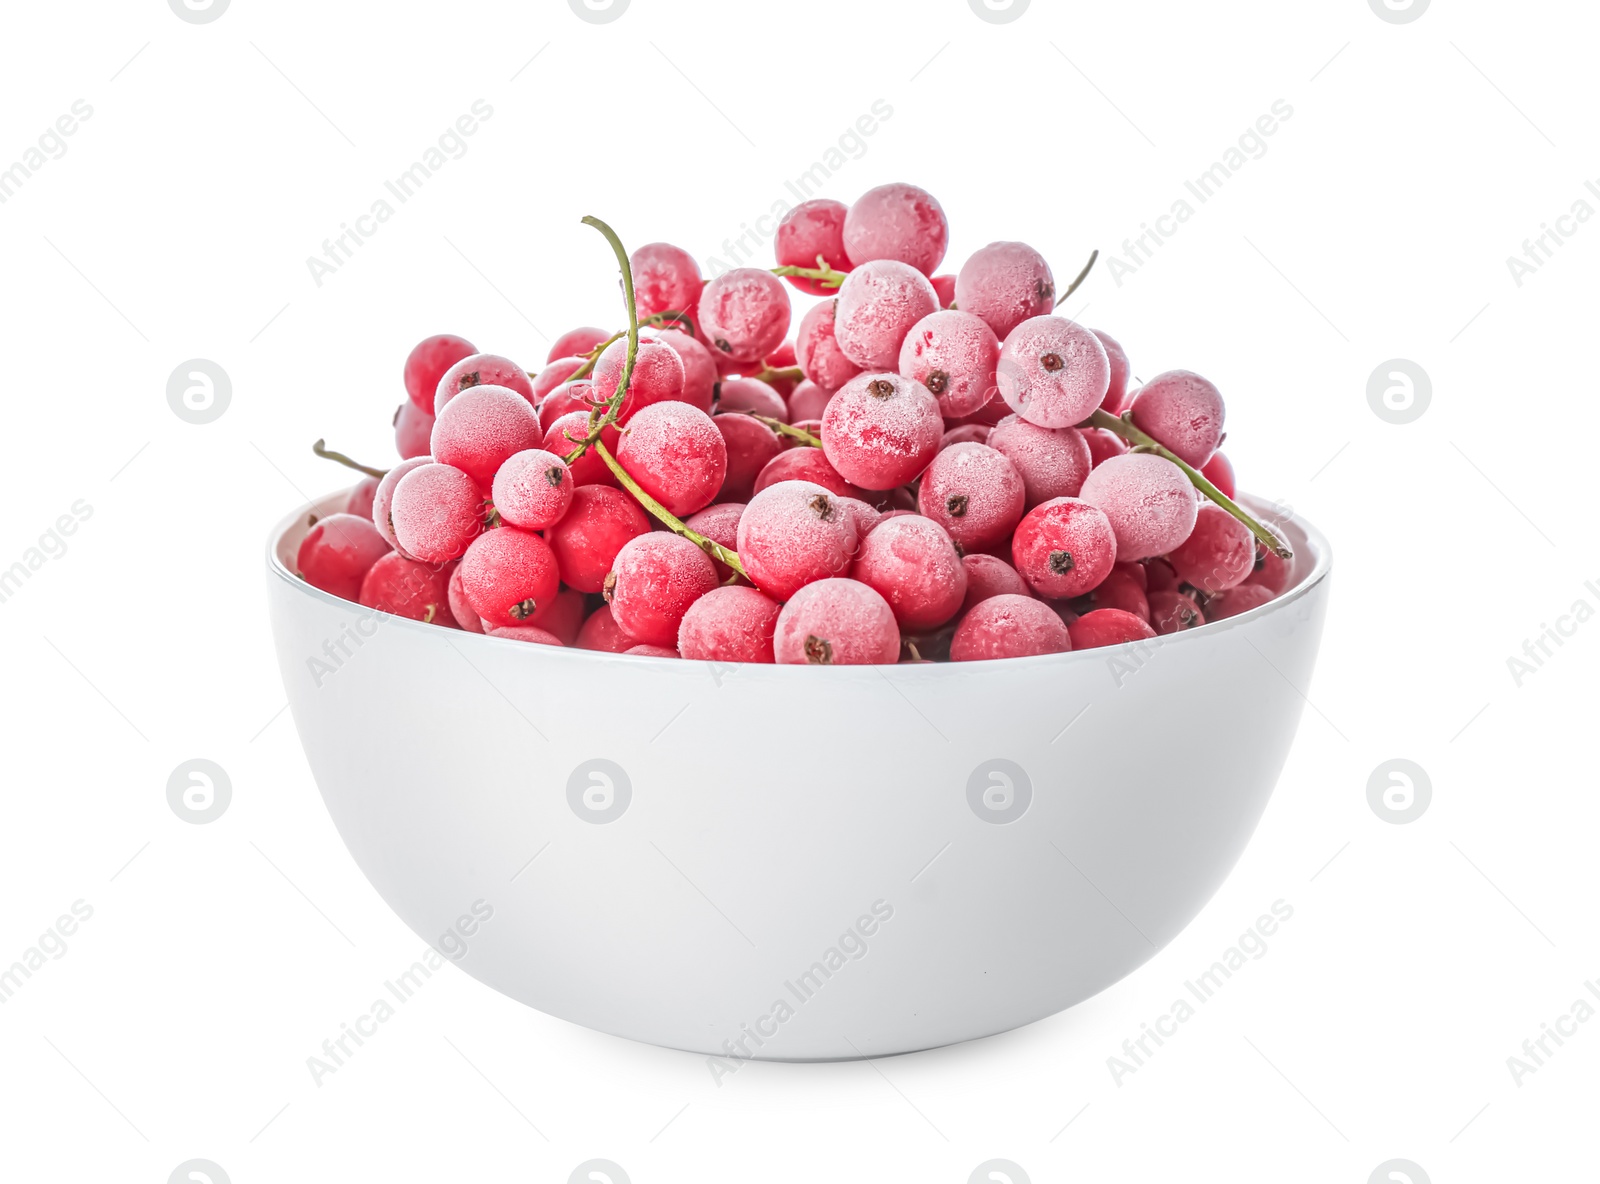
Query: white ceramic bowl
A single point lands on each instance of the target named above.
(796, 863)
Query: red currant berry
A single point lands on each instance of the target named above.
(944, 287)
(817, 351)
(533, 489)
(877, 306)
(732, 624)
(482, 370)
(338, 552)
(793, 533)
(529, 633)
(1237, 600)
(1103, 445)
(657, 376)
(966, 433)
(1271, 572)
(1219, 471)
(1063, 548)
(407, 588)
(1116, 400)
(720, 524)
(1147, 498)
(744, 314)
(1005, 284)
(812, 228)
(601, 633)
(653, 581)
(989, 575)
(508, 575)
(699, 368)
(953, 354)
(808, 401)
(577, 395)
(576, 341)
(807, 464)
(899, 222)
(676, 454)
(781, 358)
(974, 493)
(413, 430)
(428, 361)
(555, 373)
(456, 597)
(750, 445)
(565, 434)
(881, 430)
(665, 279)
(836, 622)
(652, 651)
(1053, 372)
(437, 511)
(911, 562)
(1053, 462)
(359, 502)
(1159, 576)
(481, 427)
(1008, 626)
(589, 535)
(1173, 612)
(1121, 590)
(383, 497)
(1219, 552)
(1183, 411)
(751, 394)
(1107, 626)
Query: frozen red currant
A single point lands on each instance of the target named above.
(601, 632)
(456, 598)
(1270, 571)
(1005, 283)
(589, 535)
(989, 575)
(881, 430)
(912, 563)
(428, 361)
(836, 622)
(338, 552)
(1183, 411)
(657, 376)
(807, 402)
(409, 588)
(1121, 589)
(565, 434)
(1159, 576)
(1172, 612)
(750, 446)
(751, 394)
(1053, 372)
(744, 314)
(1008, 626)
(1147, 498)
(413, 430)
(878, 303)
(1103, 445)
(720, 524)
(975, 493)
(1236, 600)
(1116, 400)
(576, 395)
(676, 454)
(576, 341)
(528, 633)
(793, 533)
(966, 433)
(665, 279)
(1053, 462)
(817, 351)
(944, 287)
(807, 464)
(1063, 548)
(555, 373)
(1219, 552)
(533, 489)
(359, 502)
(643, 650)
(732, 624)
(1219, 471)
(508, 575)
(699, 367)
(437, 511)
(899, 222)
(653, 581)
(1107, 626)
(812, 228)
(482, 370)
(481, 427)
(383, 497)
(953, 353)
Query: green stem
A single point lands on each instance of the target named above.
(784, 429)
(822, 273)
(1082, 275)
(658, 319)
(1123, 428)
(603, 416)
(769, 375)
(666, 516)
(326, 453)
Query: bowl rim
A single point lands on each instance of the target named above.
(1316, 542)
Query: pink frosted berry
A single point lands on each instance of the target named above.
(1271, 572)
(359, 502)
(652, 651)
(601, 633)
(676, 454)
(913, 564)
(576, 341)
(1009, 626)
(531, 634)
(953, 353)
(750, 446)
(793, 533)
(974, 493)
(1116, 400)
(338, 552)
(1103, 445)
(437, 511)
(1234, 601)
(465, 616)
(989, 575)
(482, 370)
(1053, 462)
(966, 433)
(1120, 589)
(900, 222)
(1005, 283)
(533, 489)
(653, 581)
(409, 588)
(1053, 372)
(481, 427)
(881, 430)
(751, 394)
(699, 367)
(1219, 471)
(555, 373)
(507, 575)
(1219, 552)
(657, 376)
(816, 349)
(866, 517)
(428, 361)
(812, 228)
(383, 497)
(878, 303)
(665, 279)
(1107, 626)
(563, 437)
(1172, 612)
(732, 624)
(1063, 548)
(594, 528)
(413, 430)
(1183, 411)
(806, 464)
(568, 397)
(944, 287)
(808, 401)
(1147, 498)
(744, 314)
(837, 622)
(720, 524)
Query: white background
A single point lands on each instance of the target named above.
(1376, 225)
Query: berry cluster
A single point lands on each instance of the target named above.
(935, 467)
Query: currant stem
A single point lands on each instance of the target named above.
(666, 516)
(1144, 443)
(326, 453)
(658, 319)
(769, 375)
(785, 429)
(822, 273)
(600, 419)
(1082, 275)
